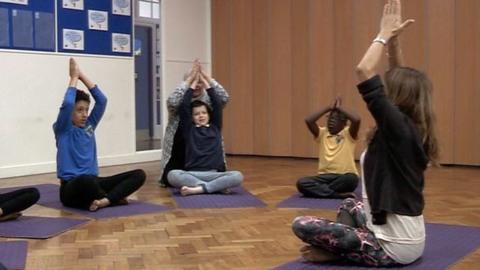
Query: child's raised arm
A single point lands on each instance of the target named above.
(100, 99)
(222, 94)
(64, 118)
(74, 72)
(311, 120)
(174, 100)
(86, 81)
(185, 109)
(217, 107)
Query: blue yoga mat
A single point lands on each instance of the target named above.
(131, 209)
(445, 245)
(38, 227)
(13, 254)
(238, 197)
(49, 197)
(299, 201)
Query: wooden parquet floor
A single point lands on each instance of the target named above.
(247, 238)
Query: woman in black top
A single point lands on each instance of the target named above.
(387, 227)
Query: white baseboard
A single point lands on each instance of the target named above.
(49, 167)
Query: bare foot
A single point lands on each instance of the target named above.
(185, 191)
(11, 216)
(315, 254)
(97, 204)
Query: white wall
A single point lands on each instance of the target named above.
(186, 35)
(33, 84)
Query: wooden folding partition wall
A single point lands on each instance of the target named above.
(281, 60)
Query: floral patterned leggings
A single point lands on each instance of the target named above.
(348, 237)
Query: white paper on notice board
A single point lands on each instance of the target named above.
(121, 7)
(20, 2)
(120, 43)
(73, 39)
(73, 4)
(98, 20)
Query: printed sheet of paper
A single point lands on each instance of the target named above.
(73, 39)
(98, 20)
(73, 4)
(121, 7)
(120, 43)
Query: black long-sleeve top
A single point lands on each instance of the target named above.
(203, 144)
(395, 159)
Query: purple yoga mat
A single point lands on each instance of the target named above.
(238, 198)
(49, 197)
(133, 208)
(445, 245)
(38, 227)
(13, 254)
(299, 201)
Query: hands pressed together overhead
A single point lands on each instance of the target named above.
(198, 79)
(74, 69)
(76, 74)
(336, 103)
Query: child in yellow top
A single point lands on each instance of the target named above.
(337, 174)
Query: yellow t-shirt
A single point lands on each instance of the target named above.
(336, 152)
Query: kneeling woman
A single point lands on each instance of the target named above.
(201, 128)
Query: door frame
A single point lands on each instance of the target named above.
(156, 71)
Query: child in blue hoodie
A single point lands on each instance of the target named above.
(77, 166)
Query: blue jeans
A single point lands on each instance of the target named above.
(211, 181)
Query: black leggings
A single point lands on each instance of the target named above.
(327, 185)
(81, 191)
(18, 200)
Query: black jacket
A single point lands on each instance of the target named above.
(395, 159)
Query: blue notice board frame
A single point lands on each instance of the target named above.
(95, 41)
(34, 14)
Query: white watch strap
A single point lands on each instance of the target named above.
(380, 40)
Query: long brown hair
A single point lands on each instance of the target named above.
(411, 91)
